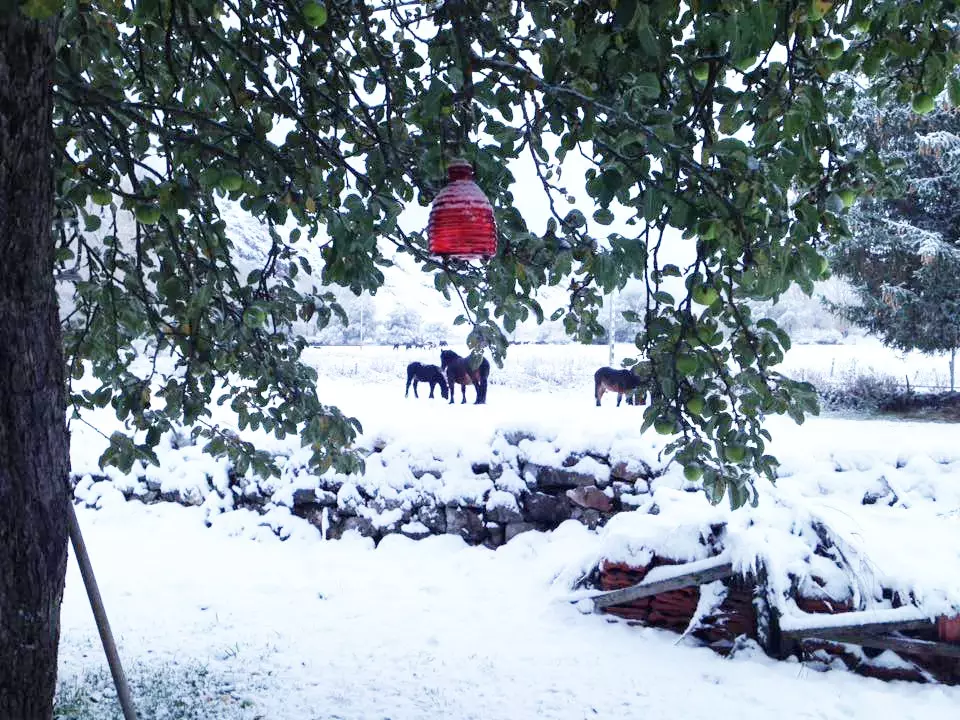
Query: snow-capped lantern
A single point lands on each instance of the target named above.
(461, 218)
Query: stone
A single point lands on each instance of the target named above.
(872, 497)
(420, 472)
(311, 512)
(496, 535)
(171, 496)
(554, 478)
(150, 497)
(515, 437)
(514, 529)
(631, 471)
(304, 496)
(601, 458)
(361, 524)
(621, 487)
(590, 497)
(571, 460)
(434, 518)
(502, 507)
(546, 510)
(466, 523)
(503, 514)
(588, 516)
(415, 530)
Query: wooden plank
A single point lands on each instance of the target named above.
(648, 588)
(854, 627)
(909, 646)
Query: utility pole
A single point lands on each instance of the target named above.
(361, 320)
(612, 329)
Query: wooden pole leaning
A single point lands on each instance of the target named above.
(100, 615)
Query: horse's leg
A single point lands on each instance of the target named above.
(409, 380)
(450, 382)
(619, 397)
(464, 401)
(598, 392)
(432, 384)
(415, 381)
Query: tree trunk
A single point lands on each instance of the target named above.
(953, 366)
(34, 443)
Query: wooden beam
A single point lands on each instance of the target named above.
(648, 588)
(909, 646)
(853, 627)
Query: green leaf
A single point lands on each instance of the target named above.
(42, 9)
(603, 216)
(647, 86)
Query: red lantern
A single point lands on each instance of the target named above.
(461, 218)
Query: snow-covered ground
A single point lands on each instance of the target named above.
(247, 626)
(429, 629)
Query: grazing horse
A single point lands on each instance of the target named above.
(622, 382)
(418, 372)
(459, 371)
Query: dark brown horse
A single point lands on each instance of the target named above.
(418, 372)
(459, 371)
(622, 382)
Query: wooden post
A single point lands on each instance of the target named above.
(100, 615)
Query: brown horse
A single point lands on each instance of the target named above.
(460, 372)
(622, 382)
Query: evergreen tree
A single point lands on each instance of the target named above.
(124, 124)
(903, 254)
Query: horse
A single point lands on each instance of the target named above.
(458, 370)
(418, 372)
(622, 382)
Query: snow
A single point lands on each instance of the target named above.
(301, 627)
(427, 629)
(863, 617)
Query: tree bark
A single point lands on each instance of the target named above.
(34, 443)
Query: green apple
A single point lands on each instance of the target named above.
(315, 14)
(922, 103)
(701, 71)
(833, 49)
(664, 427)
(695, 405)
(735, 453)
(101, 197)
(692, 473)
(231, 181)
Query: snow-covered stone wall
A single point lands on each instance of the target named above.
(518, 483)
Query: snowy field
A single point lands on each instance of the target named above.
(229, 622)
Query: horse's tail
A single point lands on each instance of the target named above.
(598, 385)
(444, 389)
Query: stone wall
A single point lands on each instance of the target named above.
(517, 483)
